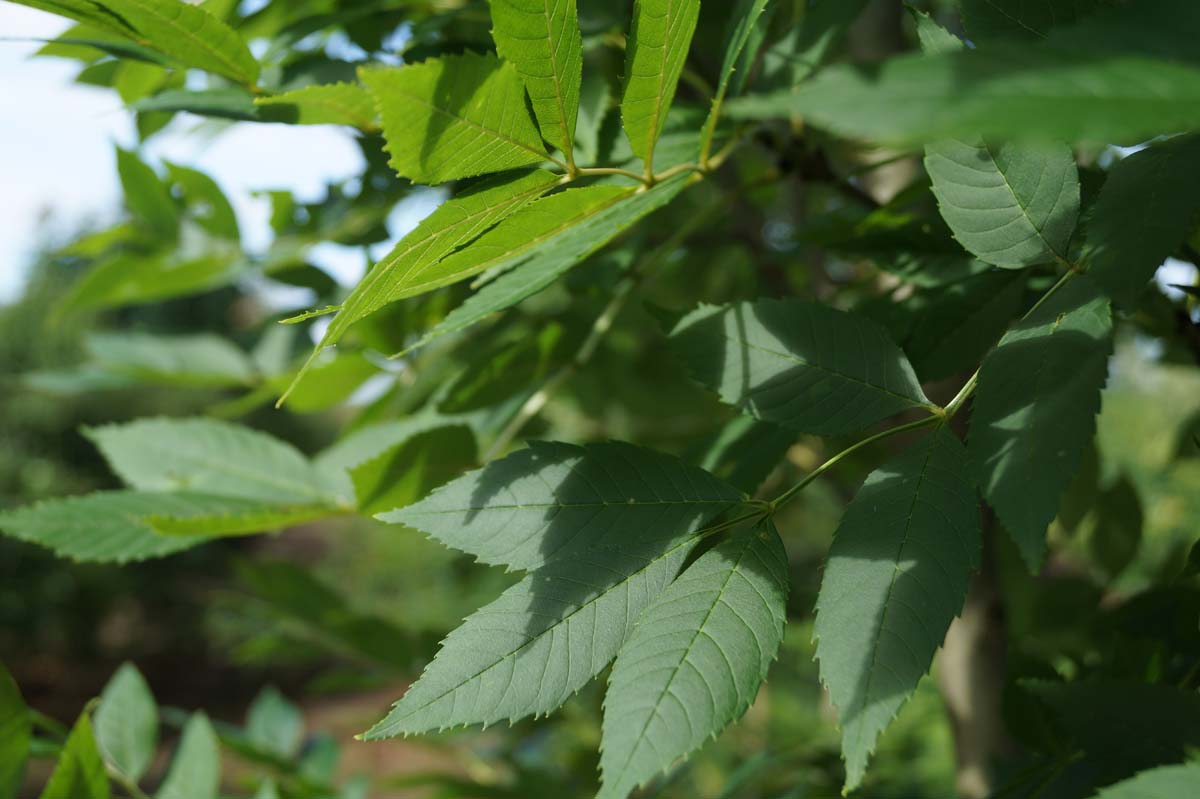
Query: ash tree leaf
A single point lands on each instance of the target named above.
(195, 771)
(696, 658)
(406, 270)
(326, 104)
(1165, 782)
(542, 640)
(16, 733)
(1035, 410)
(79, 771)
(455, 117)
(135, 279)
(896, 576)
(1146, 208)
(274, 724)
(811, 41)
(1009, 204)
(198, 360)
(657, 48)
(799, 364)
(123, 526)
(207, 204)
(553, 501)
(208, 456)
(1010, 91)
(126, 723)
(745, 21)
(533, 270)
(988, 20)
(189, 34)
(226, 102)
(146, 195)
(542, 40)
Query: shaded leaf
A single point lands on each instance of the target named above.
(207, 204)
(987, 20)
(552, 501)
(896, 577)
(799, 364)
(223, 103)
(16, 733)
(744, 21)
(147, 196)
(696, 658)
(1035, 409)
(201, 360)
(1147, 207)
(454, 117)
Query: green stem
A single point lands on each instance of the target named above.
(48, 725)
(609, 170)
(782, 499)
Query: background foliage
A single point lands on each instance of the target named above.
(754, 340)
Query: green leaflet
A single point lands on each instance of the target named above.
(454, 117)
(1012, 205)
(410, 470)
(987, 20)
(274, 724)
(1005, 91)
(147, 196)
(821, 26)
(227, 102)
(201, 360)
(896, 577)
(541, 641)
(15, 735)
(744, 20)
(1164, 782)
(210, 457)
(412, 266)
(566, 248)
(79, 771)
(131, 279)
(186, 33)
(553, 501)
(542, 40)
(696, 658)
(328, 104)
(126, 723)
(207, 205)
(115, 526)
(799, 364)
(1035, 409)
(744, 452)
(657, 48)
(195, 771)
(1147, 207)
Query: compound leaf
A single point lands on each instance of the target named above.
(542, 40)
(696, 658)
(896, 577)
(1035, 409)
(541, 640)
(800, 364)
(657, 48)
(1147, 206)
(455, 117)
(554, 500)
(127, 723)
